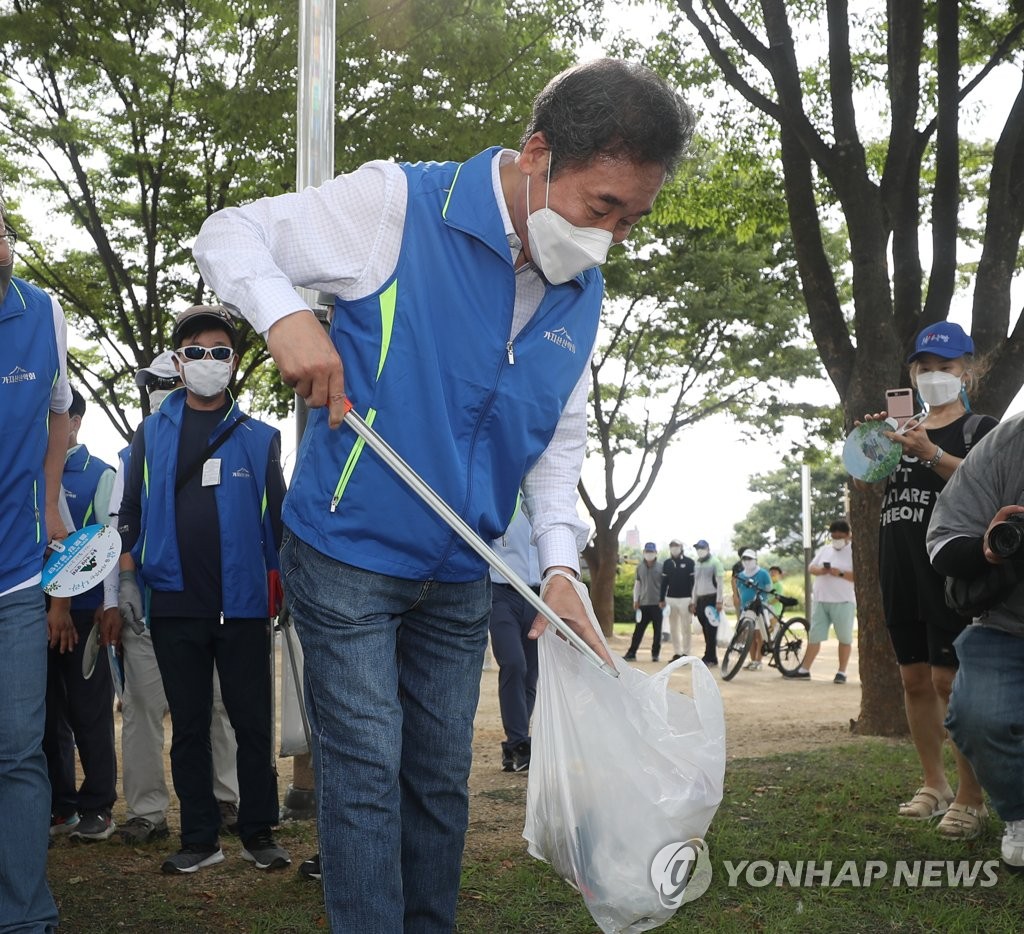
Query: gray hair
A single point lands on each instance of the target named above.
(611, 108)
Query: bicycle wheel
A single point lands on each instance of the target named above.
(791, 646)
(739, 645)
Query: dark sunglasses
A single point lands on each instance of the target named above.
(163, 382)
(195, 352)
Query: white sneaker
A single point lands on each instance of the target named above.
(1013, 844)
(753, 666)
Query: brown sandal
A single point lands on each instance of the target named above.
(927, 803)
(962, 822)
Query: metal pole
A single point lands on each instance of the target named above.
(314, 164)
(455, 522)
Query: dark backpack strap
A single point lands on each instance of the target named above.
(207, 454)
(970, 427)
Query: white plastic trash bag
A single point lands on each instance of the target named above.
(725, 628)
(623, 773)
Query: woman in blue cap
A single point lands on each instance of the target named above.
(922, 628)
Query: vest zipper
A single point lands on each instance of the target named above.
(511, 354)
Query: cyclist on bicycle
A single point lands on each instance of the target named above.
(749, 580)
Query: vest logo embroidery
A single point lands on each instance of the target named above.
(17, 375)
(241, 472)
(561, 338)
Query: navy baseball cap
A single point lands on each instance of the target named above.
(944, 339)
(650, 546)
(701, 544)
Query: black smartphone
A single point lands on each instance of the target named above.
(899, 404)
(826, 565)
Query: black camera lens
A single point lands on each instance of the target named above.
(1006, 539)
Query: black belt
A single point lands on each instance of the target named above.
(534, 587)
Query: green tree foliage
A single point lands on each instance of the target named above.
(700, 319)
(136, 119)
(775, 523)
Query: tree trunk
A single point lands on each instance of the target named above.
(602, 556)
(881, 703)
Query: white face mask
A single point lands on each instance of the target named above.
(703, 553)
(840, 543)
(649, 556)
(206, 378)
(560, 250)
(938, 388)
(749, 564)
(675, 551)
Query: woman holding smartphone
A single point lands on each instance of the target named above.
(922, 628)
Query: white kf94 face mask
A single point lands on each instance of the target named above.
(938, 388)
(560, 250)
(206, 378)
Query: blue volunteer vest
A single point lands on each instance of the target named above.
(29, 368)
(429, 364)
(82, 474)
(247, 549)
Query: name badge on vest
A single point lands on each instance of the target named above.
(211, 472)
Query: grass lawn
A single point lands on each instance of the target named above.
(832, 805)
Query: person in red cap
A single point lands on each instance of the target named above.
(921, 626)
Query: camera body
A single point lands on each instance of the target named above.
(1006, 538)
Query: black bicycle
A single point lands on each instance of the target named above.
(786, 640)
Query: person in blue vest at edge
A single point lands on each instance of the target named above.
(80, 710)
(34, 400)
(200, 522)
(516, 654)
(467, 302)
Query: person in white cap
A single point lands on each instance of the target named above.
(749, 580)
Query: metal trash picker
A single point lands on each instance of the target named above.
(455, 522)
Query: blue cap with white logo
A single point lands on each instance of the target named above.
(944, 339)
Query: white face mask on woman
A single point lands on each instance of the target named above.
(937, 388)
(560, 250)
(749, 565)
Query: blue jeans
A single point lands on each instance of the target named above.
(986, 714)
(25, 901)
(392, 679)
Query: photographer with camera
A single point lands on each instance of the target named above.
(976, 537)
(921, 627)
